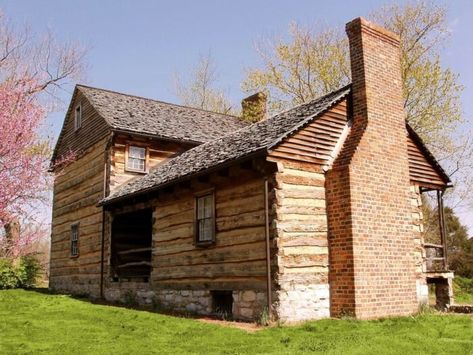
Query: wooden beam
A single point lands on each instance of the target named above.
(137, 263)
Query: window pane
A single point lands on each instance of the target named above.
(208, 206)
(205, 230)
(74, 240)
(205, 218)
(136, 164)
(200, 208)
(137, 152)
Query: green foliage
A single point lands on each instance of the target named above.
(264, 318)
(463, 290)
(459, 247)
(28, 271)
(314, 62)
(34, 322)
(22, 274)
(8, 274)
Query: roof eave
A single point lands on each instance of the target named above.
(156, 136)
(105, 202)
(430, 157)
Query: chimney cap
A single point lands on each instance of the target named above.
(360, 24)
(254, 107)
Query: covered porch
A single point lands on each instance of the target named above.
(435, 252)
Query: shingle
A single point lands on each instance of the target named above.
(137, 114)
(249, 140)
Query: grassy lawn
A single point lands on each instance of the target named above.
(35, 322)
(463, 290)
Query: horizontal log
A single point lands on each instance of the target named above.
(133, 251)
(137, 263)
(231, 253)
(245, 268)
(211, 283)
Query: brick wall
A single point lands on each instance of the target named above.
(372, 247)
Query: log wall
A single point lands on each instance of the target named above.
(237, 260)
(77, 190)
(93, 128)
(300, 217)
(158, 151)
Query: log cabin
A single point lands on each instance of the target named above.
(311, 213)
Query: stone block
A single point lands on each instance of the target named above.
(249, 296)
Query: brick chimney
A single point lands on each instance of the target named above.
(253, 108)
(372, 264)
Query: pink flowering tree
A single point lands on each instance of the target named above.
(34, 71)
(23, 161)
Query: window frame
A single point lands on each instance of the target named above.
(127, 157)
(77, 117)
(74, 241)
(197, 197)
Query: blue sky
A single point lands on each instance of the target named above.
(137, 46)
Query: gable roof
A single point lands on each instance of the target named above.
(130, 113)
(246, 142)
(423, 173)
(139, 115)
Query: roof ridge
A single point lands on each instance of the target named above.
(246, 141)
(155, 100)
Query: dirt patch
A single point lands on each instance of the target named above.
(248, 327)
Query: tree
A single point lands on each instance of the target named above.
(200, 92)
(45, 63)
(22, 159)
(459, 246)
(32, 72)
(314, 62)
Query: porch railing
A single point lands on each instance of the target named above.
(435, 257)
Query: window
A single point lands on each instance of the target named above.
(75, 239)
(136, 160)
(205, 219)
(78, 117)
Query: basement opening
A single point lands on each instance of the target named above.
(442, 289)
(222, 303)
(131, 245)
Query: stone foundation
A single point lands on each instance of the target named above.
(76, 286)
(247, 304)
(422, 292)
(304, 302)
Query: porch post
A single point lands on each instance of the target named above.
(442, 226)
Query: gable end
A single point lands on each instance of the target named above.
(93, 127)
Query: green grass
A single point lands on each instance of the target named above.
(463, 290)
(35, 322)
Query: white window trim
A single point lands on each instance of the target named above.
(144, 159)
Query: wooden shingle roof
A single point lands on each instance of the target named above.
(136, 114)
(248, 141)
